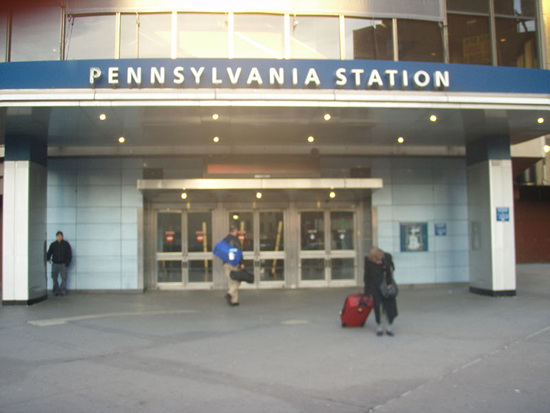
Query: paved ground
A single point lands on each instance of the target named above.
(280, 351)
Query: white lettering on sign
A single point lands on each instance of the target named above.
(234, 76)
(179, 78)
(158, 75)
(358, 77)
(254, 76)
(134, 75)
(197, 74)
(95, 73)
(113, 76)
(277, 76)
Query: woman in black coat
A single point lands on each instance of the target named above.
(373, 277)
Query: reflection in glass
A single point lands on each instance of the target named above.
(342, 268)
(271, 231)
(244, 223)
(35, 34)
(313, 269)
(312, 231)
(199, 233)
(169, 271)
(419, 41)
(258, 36)
(341, 236)
(314, 37)
(169, 232)
(3, 33)
(369, 39)
(526, 8)
(469, 40)
(202, 35)
(145, 35)
(200, 271)
(272, 270)
(90, 37)
(477, 6)
(517, 43)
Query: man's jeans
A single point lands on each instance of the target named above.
(59, 269)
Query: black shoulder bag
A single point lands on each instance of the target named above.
(388, 289)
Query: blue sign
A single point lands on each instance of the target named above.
(441, 229)
(365, 75)
(503, 214)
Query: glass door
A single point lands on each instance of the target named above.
(169, 248)
(262, 235)
(271, 248)
(313, 254)
(327, 247)
(198, 257)
(184, 249)
(342, 256)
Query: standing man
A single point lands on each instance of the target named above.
(232, 295)
(59, 255)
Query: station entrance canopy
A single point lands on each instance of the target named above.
(166, 107)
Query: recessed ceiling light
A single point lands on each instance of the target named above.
(216, 139)
(103, 116)
(401, 139)
(259, 195)
(540, 120)
(433, 118)
(332, 194)
(215, 116)
(546, 148)
(122, 139)
(311, 139)
(184, 195)
(327, 116)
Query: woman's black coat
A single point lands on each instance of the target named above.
(373, 278)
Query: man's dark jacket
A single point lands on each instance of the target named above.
(60, 252)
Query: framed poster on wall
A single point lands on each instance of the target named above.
(414, 236)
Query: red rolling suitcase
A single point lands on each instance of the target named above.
(357, 308)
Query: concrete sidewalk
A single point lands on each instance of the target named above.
(280, 351)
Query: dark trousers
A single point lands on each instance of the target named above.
(59, 270)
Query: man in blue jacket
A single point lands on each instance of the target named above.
(232, 295)
(60, 256)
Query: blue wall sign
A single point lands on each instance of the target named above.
(503, 214)
(440, 228)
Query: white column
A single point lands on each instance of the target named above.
(492, 239)
(24, 232)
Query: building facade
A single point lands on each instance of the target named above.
(144, 129)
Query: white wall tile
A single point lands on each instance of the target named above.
(131, 196)
(62, 196)
(98, 232)
(95, 248)
(412, 194)
(98, 215)
(96, 196)
(61, 215)
(99, 177)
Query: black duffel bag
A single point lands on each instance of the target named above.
(242, 275)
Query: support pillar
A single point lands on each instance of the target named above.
(24, 221)
(491, 215)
